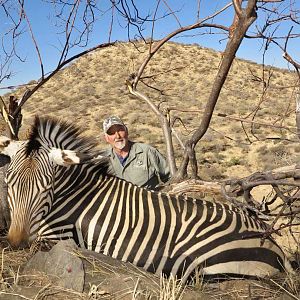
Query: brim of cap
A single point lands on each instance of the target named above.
(111, 125)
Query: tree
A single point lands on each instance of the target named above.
(245, 14)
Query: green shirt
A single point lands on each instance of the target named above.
(144, 166)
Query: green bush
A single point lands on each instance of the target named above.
(234, 161)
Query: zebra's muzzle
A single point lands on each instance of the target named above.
(18, 239)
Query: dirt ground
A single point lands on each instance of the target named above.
(107, 278)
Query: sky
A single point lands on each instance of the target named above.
(50, 39)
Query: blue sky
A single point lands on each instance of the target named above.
(40, 15)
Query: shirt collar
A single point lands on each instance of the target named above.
(134, 149)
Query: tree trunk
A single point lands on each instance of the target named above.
(239, 28)
(298, 113)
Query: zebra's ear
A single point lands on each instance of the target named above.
(64, 157)
(8, 146)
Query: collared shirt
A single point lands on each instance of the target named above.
(122, 159)
(145, 166)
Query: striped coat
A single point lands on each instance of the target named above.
(58, 190)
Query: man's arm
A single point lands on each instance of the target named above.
(160, 164)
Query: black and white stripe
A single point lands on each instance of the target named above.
(161, 233)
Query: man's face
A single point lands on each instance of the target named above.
(117, 136)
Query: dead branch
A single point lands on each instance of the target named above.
(291, 173)
(285, 214)
(153, 50)
(163, 120)
(244, 120)
(245, 18)
(33, 39)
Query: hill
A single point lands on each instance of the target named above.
(93, 87)
(181, 75)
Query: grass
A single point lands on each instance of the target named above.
(289, 284)
(171, 288)
(110, 279)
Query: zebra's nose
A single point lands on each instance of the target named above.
(17, 239)
(20, 245)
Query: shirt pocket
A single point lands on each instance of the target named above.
(140, 165)
(138, 173)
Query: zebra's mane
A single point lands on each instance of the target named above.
(50, 133)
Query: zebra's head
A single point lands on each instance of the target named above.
(52, 146)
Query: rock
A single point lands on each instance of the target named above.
(109, 278)
(60, 263)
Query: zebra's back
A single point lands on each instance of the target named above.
(163, 233)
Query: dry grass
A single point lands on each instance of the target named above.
(171, 289)
(110, 279)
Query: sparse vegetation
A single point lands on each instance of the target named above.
(234, 161)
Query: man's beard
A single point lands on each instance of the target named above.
(120, 144)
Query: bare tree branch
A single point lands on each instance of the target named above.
(29, 93)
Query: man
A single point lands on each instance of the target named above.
(135, 162)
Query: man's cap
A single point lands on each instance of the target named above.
(110, 121)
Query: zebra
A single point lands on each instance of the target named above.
(59, 187)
